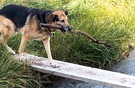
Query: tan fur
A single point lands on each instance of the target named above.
(7, 29)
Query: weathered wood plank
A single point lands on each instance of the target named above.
(83, 73)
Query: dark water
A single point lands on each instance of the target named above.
(68, 83)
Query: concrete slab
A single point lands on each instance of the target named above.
(82, 73)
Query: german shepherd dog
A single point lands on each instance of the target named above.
(16, 18)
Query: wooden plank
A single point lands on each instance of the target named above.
(82, 73)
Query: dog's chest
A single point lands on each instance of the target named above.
(38, 36)
(34, 35)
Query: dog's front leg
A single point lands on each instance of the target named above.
(22, 47)
(46, 43)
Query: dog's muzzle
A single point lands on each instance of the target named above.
(65, 28)
(68, 28)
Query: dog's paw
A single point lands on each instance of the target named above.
(13, 52)
(55, 65)
(22, 58)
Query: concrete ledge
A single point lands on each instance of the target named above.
(83, 73)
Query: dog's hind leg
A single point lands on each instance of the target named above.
(4, 40)
(7, 30)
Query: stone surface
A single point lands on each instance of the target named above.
(94, 78)
(126, 66)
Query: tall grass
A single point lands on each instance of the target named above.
(15, 75)
(107, 20)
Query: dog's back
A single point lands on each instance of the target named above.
(17, 14)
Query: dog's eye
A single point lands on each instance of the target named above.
(57, 19)
(62, 20)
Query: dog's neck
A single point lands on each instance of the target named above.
(43, 17)
(47, 17)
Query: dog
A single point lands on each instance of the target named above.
(25, 20)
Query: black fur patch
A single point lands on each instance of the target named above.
(18, 14)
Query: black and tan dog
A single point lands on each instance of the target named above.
(15, 18)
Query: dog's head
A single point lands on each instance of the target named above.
(60, 18)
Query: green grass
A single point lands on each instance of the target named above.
(15, 75)
(107, 20)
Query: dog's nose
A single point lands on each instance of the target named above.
(69, 28)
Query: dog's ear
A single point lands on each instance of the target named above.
(53, 18)
(66, 12)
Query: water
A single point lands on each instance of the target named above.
(68, 83)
